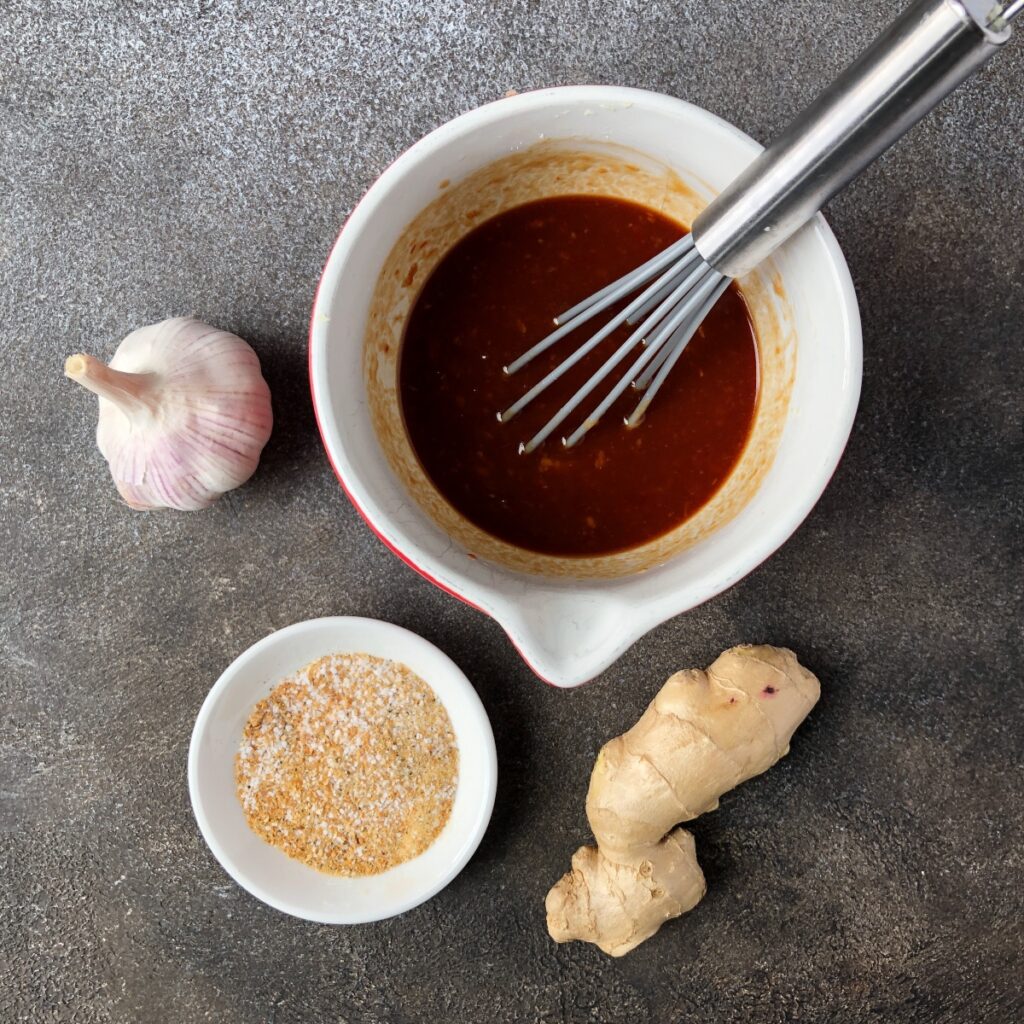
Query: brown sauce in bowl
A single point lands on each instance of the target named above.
(489, 299)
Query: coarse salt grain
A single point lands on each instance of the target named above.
(350, 765)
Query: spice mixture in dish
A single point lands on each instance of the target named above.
(490, 298)
(350, 765)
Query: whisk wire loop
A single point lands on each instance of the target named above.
(633, 279)
(683, 286)
(671, 275)
(606, 368)
(673, 351)
(679, 327)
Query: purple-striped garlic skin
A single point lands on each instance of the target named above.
(184, 413)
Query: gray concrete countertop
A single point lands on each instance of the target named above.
(199, 157)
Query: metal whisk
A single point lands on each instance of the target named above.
(925, 54)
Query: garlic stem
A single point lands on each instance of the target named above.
(130, 392)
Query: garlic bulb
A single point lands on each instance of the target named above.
(184, 413)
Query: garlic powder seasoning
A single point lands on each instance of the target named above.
(349, 765)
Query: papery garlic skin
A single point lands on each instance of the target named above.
(184, 413)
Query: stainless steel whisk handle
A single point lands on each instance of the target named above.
(925, 54)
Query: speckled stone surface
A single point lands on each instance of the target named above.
(167, 158)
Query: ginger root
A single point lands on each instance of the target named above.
(704, 733)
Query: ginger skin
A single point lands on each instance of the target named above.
(704, 733)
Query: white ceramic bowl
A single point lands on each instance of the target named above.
(570, 630)
(269, 874)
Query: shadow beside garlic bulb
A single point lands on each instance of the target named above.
(184, 413)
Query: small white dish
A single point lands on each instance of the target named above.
(287, 884)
